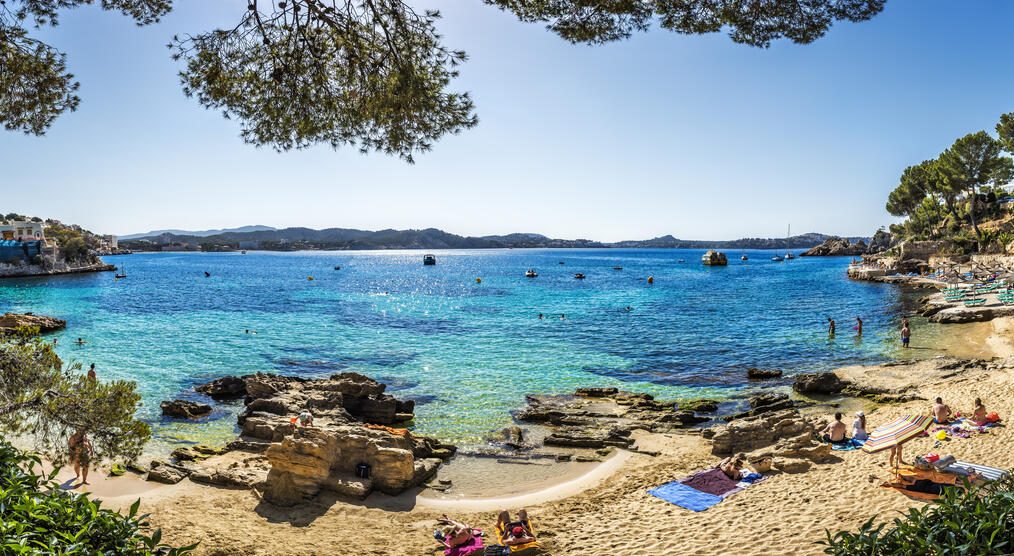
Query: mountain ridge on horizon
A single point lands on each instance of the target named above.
(298, 238)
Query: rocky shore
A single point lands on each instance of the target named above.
(14, 271)
(12, 321)
(290, 463)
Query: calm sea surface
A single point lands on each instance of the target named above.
(468, 352)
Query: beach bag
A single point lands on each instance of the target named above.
(496, 550)
(921, 463)
(762, 465)
(992, 417)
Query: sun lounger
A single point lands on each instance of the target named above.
(990, 473)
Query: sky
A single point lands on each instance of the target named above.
(693, 136)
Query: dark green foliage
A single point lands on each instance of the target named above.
(367, 73)
(37, 517)
(975, 520)
(45, 400)
(373, 74)
(753, 22)
(74, 250)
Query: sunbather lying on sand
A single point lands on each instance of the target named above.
(921, 485)
(517, 532)
(455, 533)
(732, 467)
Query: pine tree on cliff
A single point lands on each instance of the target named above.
(973, 161)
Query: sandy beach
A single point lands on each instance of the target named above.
(606, 510)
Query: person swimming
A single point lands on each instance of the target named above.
(80, 341)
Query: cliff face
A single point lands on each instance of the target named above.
(11, 321)
(837, 247)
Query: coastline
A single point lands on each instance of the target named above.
(26, 271)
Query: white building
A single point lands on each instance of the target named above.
(22, 230)
(111, 240)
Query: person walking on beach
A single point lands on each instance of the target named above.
(81, 453)
(91, 373)
(830, 327)
(906, 334)
(941, 413)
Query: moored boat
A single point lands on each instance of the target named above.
(429, 260)
(531, 274)
(579, 276)
(714, 258)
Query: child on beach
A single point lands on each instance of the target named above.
(306, 418)
(906, 334)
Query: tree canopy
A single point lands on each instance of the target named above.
(48, 401)
(373, 74)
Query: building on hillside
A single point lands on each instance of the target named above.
(111, 241)
(25, 230)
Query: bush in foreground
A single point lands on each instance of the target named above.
(37, 517)
(976, 520)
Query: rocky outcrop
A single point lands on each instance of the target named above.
(342, 396)
(762, 374)
(818, 383)
(313, 459)
(599, 418)
(880, 242)
(184, 409)
(836, 247)
(12, 321)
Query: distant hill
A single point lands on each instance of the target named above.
(294, 239)
(202, 233)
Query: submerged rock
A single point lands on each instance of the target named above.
(184, 409)
(702, 406)
(761, 374)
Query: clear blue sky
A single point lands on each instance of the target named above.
(664, 133)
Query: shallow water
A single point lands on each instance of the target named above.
(468, 352)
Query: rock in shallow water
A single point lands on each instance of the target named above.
(183, 409)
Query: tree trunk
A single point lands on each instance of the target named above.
(971, 216)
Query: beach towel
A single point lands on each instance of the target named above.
(501, 532)
(712, 481)
(848, 444)
(914, 474)
(685, 496)
(473, 545)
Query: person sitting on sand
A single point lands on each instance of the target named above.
(516, 532)
(732, 467)
(453, 532)
(80, 452)
(835, 430)
(306, 418)
(941, 413)
(859, 427)
(979, 413)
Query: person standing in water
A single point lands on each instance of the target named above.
(91, 373)
(830, 327)
(859, 326)
(906, 334)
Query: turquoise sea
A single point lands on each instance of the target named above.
(468, 352)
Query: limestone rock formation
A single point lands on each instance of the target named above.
(880, 242)
(702, 406)
(11, 321)
(184, 409)
(836, 247)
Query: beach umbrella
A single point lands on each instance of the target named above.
(896, 432)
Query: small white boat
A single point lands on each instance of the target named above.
(777, 259)
(531, 274)
(744, 257)
(429, 260)
(579, 276)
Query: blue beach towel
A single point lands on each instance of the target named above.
(685, 497)
(850, 444)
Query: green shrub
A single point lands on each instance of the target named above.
(974, 520)
(37, 517)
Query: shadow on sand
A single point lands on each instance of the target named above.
(304, 514)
